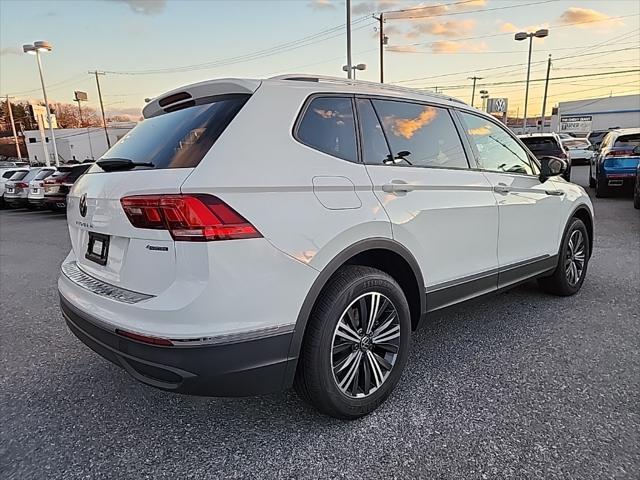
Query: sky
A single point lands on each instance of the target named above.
(146, 47)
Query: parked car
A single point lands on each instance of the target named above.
(35, 196)
(57, 187)
(636, 189)
(614, 166)
(578, 149)
(5, 176)
(250, 235)
(547, 145)
(17, 188)
(596, 136)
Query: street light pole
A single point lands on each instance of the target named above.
(543, 32)
(35, 49)
(349, 70)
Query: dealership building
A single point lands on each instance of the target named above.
(74, 144)
(583, 116)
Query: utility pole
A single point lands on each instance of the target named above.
(383, 42)
(473, 92)
(349, 69)
(104, 120)
(546, 89)
(13, 128)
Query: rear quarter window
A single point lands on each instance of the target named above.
(179, 139)
(327, 124)
(628, 141)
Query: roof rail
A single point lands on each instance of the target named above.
(346, 81)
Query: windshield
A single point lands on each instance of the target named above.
(178, 139)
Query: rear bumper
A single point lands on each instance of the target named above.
(56, 200)
(15, 201)
(36, 201)
(240, 368)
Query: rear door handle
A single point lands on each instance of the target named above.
(501, 189)
(397, 186)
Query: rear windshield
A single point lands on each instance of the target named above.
(8, 174)
(19, 175)
(575, 144)
(540, 143)
(628, 141)
(178, 139)
(43, 174)
(75, 172)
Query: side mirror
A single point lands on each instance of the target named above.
(551, 167)
(636, 150)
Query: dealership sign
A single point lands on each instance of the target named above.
(497, 105)
(581, 123)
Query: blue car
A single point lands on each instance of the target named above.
(614, 166)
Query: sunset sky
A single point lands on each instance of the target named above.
(147, 46)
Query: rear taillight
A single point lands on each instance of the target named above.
(619, 153)
(196, 218)
(22, 185)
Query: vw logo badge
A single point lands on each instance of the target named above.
(83, 205)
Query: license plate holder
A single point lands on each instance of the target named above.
(98, 248)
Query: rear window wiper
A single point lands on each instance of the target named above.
(114, 164)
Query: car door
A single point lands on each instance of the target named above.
(439, 208)
(529, 210)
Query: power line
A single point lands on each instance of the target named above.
(284, 47)
(462, 12)
(514, 82)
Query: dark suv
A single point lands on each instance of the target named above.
(547, 145)
(58, 185)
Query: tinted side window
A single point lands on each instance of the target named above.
(375, 150)
(496, 149)
(421, 135)
(328, 125)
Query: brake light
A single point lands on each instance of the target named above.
(195, 218)
(619, 153)
(22, 185)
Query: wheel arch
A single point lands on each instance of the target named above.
(583, 213)
(381, 253)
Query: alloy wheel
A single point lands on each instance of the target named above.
(575, 257)
(365, 345)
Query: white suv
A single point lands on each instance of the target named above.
(251, 235)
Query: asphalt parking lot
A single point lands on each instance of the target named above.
(518, 385)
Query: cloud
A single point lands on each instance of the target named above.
(321, 5)
(364, 8)
(402, 49)
(10, 51)
(422, 10)
(145, 7)
(449, 28)
(445, 46)
(508, 27)
(583, 15)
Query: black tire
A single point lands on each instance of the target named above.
(315, 379)
(592, 181)
(602, 190)
(559, 282)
